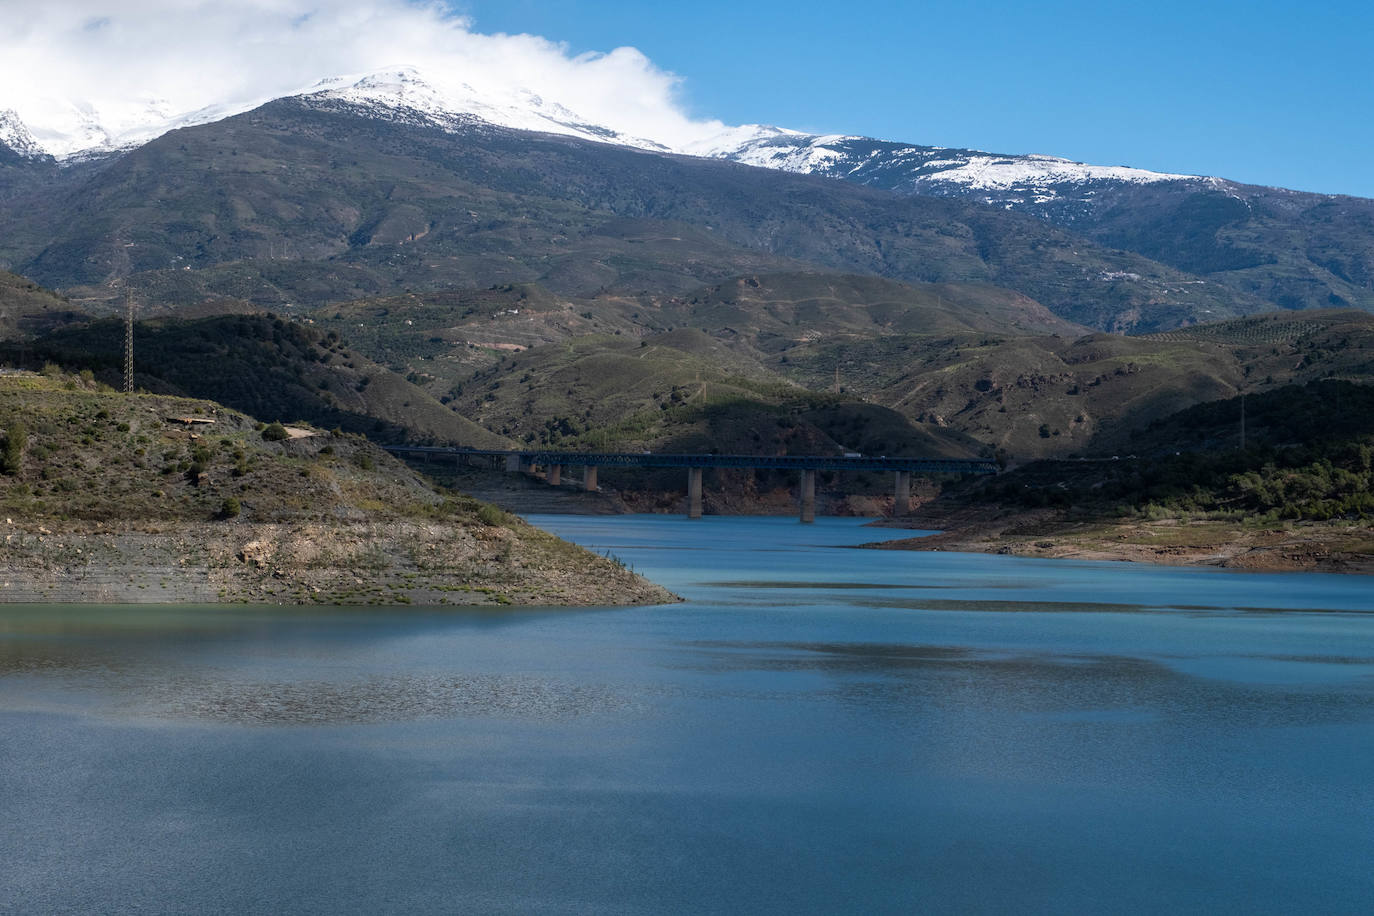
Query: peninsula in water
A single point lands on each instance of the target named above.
(111, 497)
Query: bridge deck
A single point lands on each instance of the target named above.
(772, 462)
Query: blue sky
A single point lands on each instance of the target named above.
(1263, 92)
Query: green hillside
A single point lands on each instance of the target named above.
(1307, 456)
(953, 369)
(679, 391)
(92, 454)
(1055, 396)
(270, 367)
(28, 310)
(968, 363)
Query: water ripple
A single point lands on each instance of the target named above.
(388, 699)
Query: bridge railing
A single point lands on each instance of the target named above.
(667, 460)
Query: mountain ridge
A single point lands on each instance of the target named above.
(1266, 248)
(405, 93)
(265, 200)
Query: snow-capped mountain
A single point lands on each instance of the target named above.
(79, 130)
(68, 128)
(843, 156)
(17, 137)
(1232, 243)
(403, 94)
(1005, 180)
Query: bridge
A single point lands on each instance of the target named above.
(553, 464)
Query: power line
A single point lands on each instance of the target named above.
(1242, 421)
(128, 341)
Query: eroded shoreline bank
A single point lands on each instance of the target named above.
(383, 563)
(1335, 547)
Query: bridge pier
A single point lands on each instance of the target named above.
(551, 465)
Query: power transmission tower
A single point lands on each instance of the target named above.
(128, 341)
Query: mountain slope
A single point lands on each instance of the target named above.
(28, 310)
(681, 391)
(307, 202)
(1003, 180)
(442, 338)
(1294, 249)
(1273, 247)
(1055, 396)
(272, 368)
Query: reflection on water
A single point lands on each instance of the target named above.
(843, 586)
(818, 729)
(1056, 685)
(1005, 607)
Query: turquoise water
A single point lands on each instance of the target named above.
(816, 729)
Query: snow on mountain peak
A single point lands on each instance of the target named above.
(75, 128)
(400, 86)
(69, 128)
(447, 101)
(789, 151)
(1000, 173)
(723, 141)
(16, 135)
(406, 94)
(861, 158)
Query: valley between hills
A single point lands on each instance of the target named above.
(1197, 394)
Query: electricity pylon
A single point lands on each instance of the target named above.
(128, 341)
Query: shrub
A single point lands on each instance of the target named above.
(488, 514)
(275, 432)
(230, 507)
(12, 453)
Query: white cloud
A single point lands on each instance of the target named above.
(84, 73)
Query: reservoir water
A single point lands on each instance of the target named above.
(815, 729)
